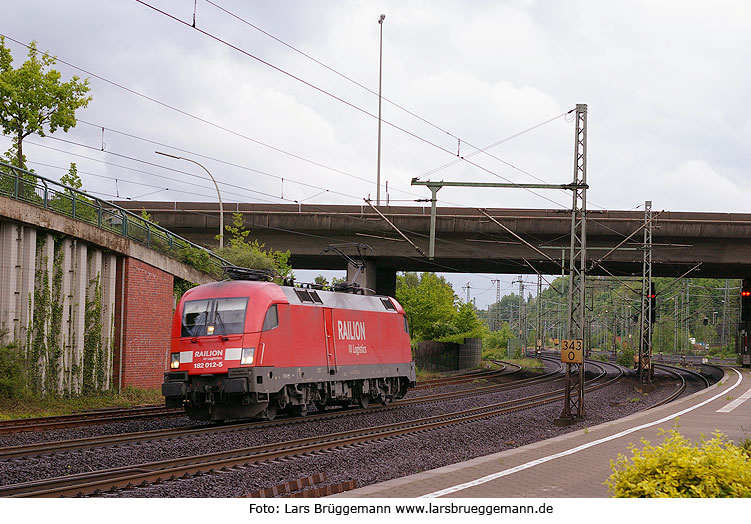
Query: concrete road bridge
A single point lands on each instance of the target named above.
(468, 241)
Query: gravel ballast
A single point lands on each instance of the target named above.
(367, 464)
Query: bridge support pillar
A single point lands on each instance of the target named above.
(375, 280)
(143, 324)
(17, 268)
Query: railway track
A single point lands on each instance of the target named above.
(45, 448)
(77, 419)
(680, 374)
(143, 412)
(505, 369)
(154, 472)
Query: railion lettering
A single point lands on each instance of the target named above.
(350, 330)
(209, 353)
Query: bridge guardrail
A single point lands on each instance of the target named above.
(37, 190)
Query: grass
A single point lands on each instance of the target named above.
(527, 364)
(428, 375)
(45, 407)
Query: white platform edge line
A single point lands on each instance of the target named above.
(522, 467)
(737, 402)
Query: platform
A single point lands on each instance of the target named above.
(578, 463)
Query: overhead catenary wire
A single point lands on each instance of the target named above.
(478, 150)
(269, 195)
(196, 176)
(215, 125)
(335, 97)
(435, 264)
(240, 135)
(452, 269)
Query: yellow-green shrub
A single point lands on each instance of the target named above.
(712, 468)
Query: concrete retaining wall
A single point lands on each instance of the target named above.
(84, 318)
(56, 304)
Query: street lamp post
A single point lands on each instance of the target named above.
(380, 75)
(219, 196)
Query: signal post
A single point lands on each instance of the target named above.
(745, 324)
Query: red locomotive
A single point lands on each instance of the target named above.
(246, 349)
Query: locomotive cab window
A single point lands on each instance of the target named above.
(271, 320)
(229, 315)
(195, 316)
(217, 316)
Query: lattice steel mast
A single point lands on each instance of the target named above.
(573, 402)
(539, 338)
(647, 289)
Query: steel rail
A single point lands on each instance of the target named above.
(142, 474)
(46, 448)
(678, 391)
(75, 419)
(679, 372)
(464, 377)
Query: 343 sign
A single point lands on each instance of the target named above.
(572, 351)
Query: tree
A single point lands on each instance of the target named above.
(33, 99)
(251, 254)
(71, 178)
(430, 304)
(466, 319)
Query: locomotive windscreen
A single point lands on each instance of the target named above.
(216, 316)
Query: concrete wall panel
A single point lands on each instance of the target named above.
(9, 273)
(109, 262)
(65, 378)
(28, 273)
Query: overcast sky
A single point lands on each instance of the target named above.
(666, 84)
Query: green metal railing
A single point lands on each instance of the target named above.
(31, 188)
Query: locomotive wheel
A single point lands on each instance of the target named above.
(404, 387)
(363, 400)
(270, 411)
(386, 400)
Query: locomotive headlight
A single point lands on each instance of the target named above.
(174, 361)
(247, 356)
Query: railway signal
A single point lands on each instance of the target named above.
(745, 351)
(746, 300)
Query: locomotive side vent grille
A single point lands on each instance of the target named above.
(388, 304)
(315, 297)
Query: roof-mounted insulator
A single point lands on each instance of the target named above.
(244, 273)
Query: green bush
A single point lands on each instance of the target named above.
(250, 253)
(477, 332)
(12, 372)
(497, 339)
(713, 468)
(197, 258)
(626, 358)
